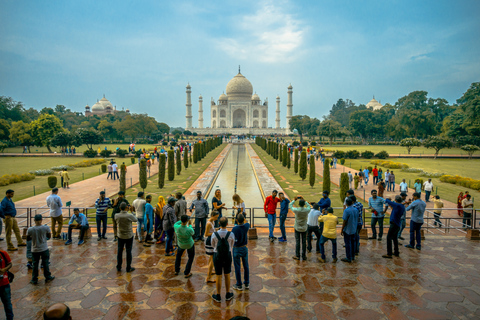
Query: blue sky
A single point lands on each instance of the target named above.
(141, 54)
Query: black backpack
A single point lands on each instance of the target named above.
(223, 248)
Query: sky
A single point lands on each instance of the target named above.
(142, 54)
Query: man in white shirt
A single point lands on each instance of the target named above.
(312, 226)
(222, 261)
(138, 206)
(115, 171)
(403, 186)
(428, 187)
(55, 204)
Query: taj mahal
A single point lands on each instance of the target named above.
(239, 111)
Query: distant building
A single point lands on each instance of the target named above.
(101, 108)
(374, 104)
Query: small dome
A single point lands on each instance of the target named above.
(223, 97)
(97, 107)
(290, 86)
(255, 97)
(200, 97)
(105, 103)
(128, 110)
(278, 97)
(374, 104)
(188, 86)
(87, 107)
(239, 87)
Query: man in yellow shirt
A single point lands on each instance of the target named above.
(329, 233)
(66, 178)
(437, 210)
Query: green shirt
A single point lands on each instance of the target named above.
(184, 235)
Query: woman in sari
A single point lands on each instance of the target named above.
(159, 234)
(459, 204)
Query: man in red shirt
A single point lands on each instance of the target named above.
(270, 208)
(5, 292)
(375, 176)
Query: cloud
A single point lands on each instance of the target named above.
(269, 35)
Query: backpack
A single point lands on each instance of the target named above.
(223, 248)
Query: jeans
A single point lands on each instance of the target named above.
(200, 225)
(169, 245)
(11, 224)
(83, 229)
(101, 218)
(392, 237)
(374, 227)
(241, 254)
(315, 230)
(110, 174)
(128, 244)
(300, 236)
(178, 259)
(427, 195)
(29, 251)
(272, 219)
(283, 217)
(115, 174)
(57, 233)
(415, 234)
(402, 226)
(467, 222)
(323, 240)
(437, 219)
(375, 180)
(357, 239)
(45, 256)
(349, 245)
(366, 180)
(387, 185)
(140, 224)
(6, 296)
(392, 186)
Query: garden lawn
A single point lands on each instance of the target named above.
(462, 167)
(24, 189)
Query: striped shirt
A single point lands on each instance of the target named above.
(102, 205)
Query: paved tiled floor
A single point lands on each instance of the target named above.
(440, 282)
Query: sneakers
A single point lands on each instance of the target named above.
(282, 240)
(115, 240)
(296, 258)
(188, 275)
(131, 269)
(418, 248)
(237, 287)
(29, 265)
(99, 238)
(216, 297)
(409, 246)
(321, 260)
(22, 245)
(33, 282)
(346, 260)
(229, 296)
(81, 242)
(169, 254)
(49, 278)
(69, 242)
(386, 256)
(247, 286)
(335, 260)
(104, 237)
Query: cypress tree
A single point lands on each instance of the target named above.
(303, 165)
(295, 161)
(143, 174)
(289, 161)
(161, 171)
(280, 154)
(171, 165)
(312, 170)
(123, 174)
(326, 175)
(178, 161)
(185, 157)
(195, 153)
(285, 156)
(344, 185)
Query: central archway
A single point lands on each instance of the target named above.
(239, 119)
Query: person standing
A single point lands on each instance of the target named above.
(283, 216)
(222, 243)
(312, 226)
(381, 188)
(169, 219)
(416, 222)
(349, 229)
(139, 209)
(159, 234)
(391, 179)
(360, 178)
(467, 205)
(39, 234)
(201, 213)
(376, 205)
(184, 231)
(180, 206)
(116, 209)
(8, 211)
(387, 179)
(418, 186)
(218, 205)
(459, 204)
(66, 178)
(403, 219)
(148, 219)
(357, 205)
(350, 180)
(428, 187)
(375, 175)
(125, 236)
(270, 208)
(356, 180)
(208, 244)
(115, 170)
(403, 186)
(5, 291)
(329, 233)
(398, 210)
(366, 173)
(437, 210)
(301, 217)
(81, 223)
(380, 174)
(109, 170)
(240, 253)
(102, 204)
(55, 204)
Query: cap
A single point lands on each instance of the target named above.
(171, 199)
(38, 217)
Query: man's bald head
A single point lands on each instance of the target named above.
(58, 311)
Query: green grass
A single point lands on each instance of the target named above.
(25, 189)
(462, 167)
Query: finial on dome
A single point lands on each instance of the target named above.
(104, 95)
(238, 68)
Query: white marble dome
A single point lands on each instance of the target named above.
(239, 88)
(97, 107)
(105, 103)
(223, 97)
(374, 104)
(255, 97)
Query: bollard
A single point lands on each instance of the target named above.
(33, 190)
(130, 182)
(83, 176)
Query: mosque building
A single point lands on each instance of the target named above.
(238, 111)
(374, 104)
(101, 108)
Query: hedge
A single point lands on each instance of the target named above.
(389, 164)
(7, 179)
(461, 181)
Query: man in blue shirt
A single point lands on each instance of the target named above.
(398, 210)
(376, 205)
(357, 205)
(81, 223)
(365, 174)
(102, 204)
(325, 202)
(240, 252)
(416, 222)
(8, 211)
(283, 216)
(349, 229)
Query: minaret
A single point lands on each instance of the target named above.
(200, 112)
(189, 107)
(277, 117)
(289, 107)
